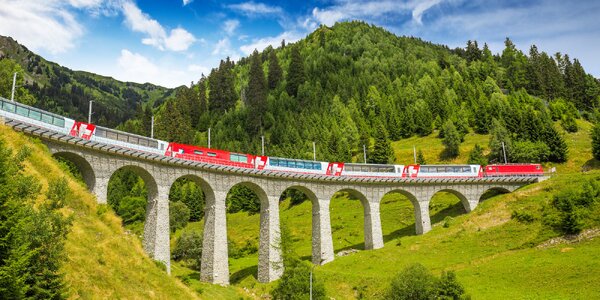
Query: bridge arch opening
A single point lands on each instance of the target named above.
(296, 206)
(132, 190)
(245, 200)
(492, 192)
(347, 214)
(188, 197)
(446, 204)
(397, 210)
(79, 167)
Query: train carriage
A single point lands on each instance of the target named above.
(442, 171)
(514, 170)
(372, 170)
(208, 155)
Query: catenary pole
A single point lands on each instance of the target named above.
(90, 112)
(12, 94)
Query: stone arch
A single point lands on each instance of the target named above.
(420, 209)
(149, 180)
(205, 186)
(270, 262)
(493, 191)
(322, 243)
(373, 238)
(460, 195)
(82, 164)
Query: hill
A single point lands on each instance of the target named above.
(102, 260)
(64, 91)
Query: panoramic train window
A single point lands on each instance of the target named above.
(235, 157)
(23, 111)
(8, 107)
(36, 115)
(46, 118)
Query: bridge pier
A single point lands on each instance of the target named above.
(373, 234)
(422, 220)
(156, 228)
(322, 241)
(270, 261)
(100, 189)
(215, 265)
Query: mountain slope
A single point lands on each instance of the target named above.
(62, 90)
(103, 261)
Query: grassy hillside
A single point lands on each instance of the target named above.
(494, 256)
(103, 261)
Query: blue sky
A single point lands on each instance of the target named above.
(172, 42)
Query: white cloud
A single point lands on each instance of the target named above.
(372, 10)
(138, 68)
(261, 44)
(186, 2)
(177, 40)
(230, 26)
(252, 8)
(51, 26)
(198, 69)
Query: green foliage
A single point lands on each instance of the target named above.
(476, 156)
(499, 136)
(572, 210)
(275, 72)
(415, 282)
(295, 283)
(568, 123)
(256, 95)
(191, 194)
(296, 74)
(421, 158)
(523, 216)
(241, 198)
(188, 248)
(235, 251)
(179, 215)
(596, 141)
(132, 210)
(532, 152)
(31, 237)
(124, 183)
(451, 140)
(382, 152)
(7, 69)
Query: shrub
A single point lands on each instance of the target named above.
(568, 123)
(523, 216)
(527, 151)
(188, 248)
(415, 282)
(412, 283)
(295, 283)
(179, 215)
(596, 141)
(132, 209)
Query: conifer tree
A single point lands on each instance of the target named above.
(296, 75)
(556, 143)
(275, 73)
(596, 141)
(499, 135)
(382, 152)
(421, 158)
(222, 90)
(451, 140)
(476, 156)
(256, 95)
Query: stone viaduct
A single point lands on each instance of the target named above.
(98, 162)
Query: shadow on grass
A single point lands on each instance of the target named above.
(454, 210)
(402, 232)
(491, 193)
(592, 164)
(240, 275)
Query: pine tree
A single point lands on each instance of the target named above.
(555, 142)
(421, 158)
(256, 95)
(596, 141)
(275, 72)
(382, 152)
(147, 120)
(499, 135)
(476, 156)
(296, 75)
(451, 140)
(221, 81)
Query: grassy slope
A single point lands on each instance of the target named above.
(102, 260)
(492, 254)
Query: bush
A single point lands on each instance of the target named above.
(523, 216)
(415, 282)
(596, 141)
(570, 210)
(179, 215)
(188, 248)
(132, 209)
(568, 123)
(528, 152)
(476, 156)
(295, 283)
